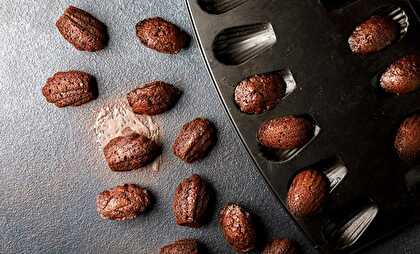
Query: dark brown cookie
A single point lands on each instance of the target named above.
(373, 35)
(238, 228)
(281, 246)
(153, 98)
(195, 140)
(407, 140)
(184, 246)
(307, 193)
(260, 92)
(123, 202)
(403, 76)
(71, 88)
(285, 133)
(130, 152)
(161, 35)
(190, 202)
(82, 30)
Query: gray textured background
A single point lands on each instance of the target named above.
(52, 169)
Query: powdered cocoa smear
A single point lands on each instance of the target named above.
(117, 119)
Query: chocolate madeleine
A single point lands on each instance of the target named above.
(238, 228)
(184, 246)
(195, 140)
(260, 92)
(82, 30)
(125, 153)
(190, 202)
(407, 140)
(124, 202)
(285, 133)
(154, 98)
(161, 35)
(307, 193)
(373, 35)
(71, 88)
(403, 76)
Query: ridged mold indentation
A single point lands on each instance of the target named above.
(347, 233)
(336, 174)
(398, 15)
(237, 45)
(219, 6)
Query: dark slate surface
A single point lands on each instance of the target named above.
(51, 168)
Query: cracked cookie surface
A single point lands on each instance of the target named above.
(129, 152)
(124, 202)
(161, 35)
(260, 92)
(153, 98)
(71, 88)
(307, 193)
(195, 140)
(190, 202)
(238, 227)
(82, 30)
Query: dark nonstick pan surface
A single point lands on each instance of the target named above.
(334, 88)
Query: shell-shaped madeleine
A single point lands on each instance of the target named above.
(407, 140)
(125, 153)
(403, 76)
(82, 30)
(373, 35)
(71, 88)
(161, 35)
(260, 92)
(285, 133)
(153, 98)
(307, 193)
(238, 227)
(123, 202)
(190, 202)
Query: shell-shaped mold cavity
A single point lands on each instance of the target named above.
(283, 156)
(289, 80)
(237, 45)
(219, 6)
(398, 15)
(335, 172)
(346, 233)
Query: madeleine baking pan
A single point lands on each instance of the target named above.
(373, 193)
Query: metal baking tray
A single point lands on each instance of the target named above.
(374, 192)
